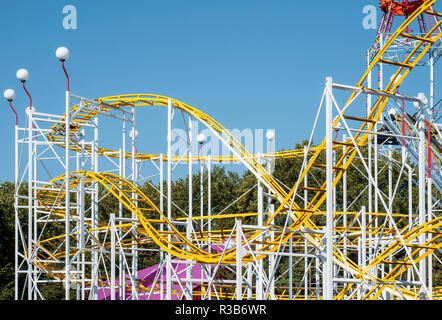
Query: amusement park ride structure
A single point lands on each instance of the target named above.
(357, 253)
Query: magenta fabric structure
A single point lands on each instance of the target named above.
(146, 277)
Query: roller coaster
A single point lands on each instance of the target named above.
(343, 252)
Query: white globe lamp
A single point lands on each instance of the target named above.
(62, 53)
(9, 94)
(201, 138)
(22, 75)
(395, 80)
(134, 134)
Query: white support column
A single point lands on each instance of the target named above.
(376, 151)
(272, 260)
(390, 181)
(202, 203)
(77, 226)
(364, 236)
(290, 271)
(209, 194)
(305, 240)
(189, 288)
(370, 141)
(238, 260)
(122, 272)
(169, 197)
(260, 263)
(162, 225)
(328, 245)
(34, 212)
(410, 199)
(430, 256)
(318, 278)
(81, 213)
(260, 196)
(190, 173)
(17, 222)
(429, 191)
(422, 176)
(390, 193)
(202, 193)
(410, 213)
(209, 213)
(79, 261)
(134, 248)
(369, 85)
(432, 87)
(94, 211)
(249, 281)
(67, 197)
(344, 200)
(112, 256)
(375, 185)
(30, 207)
(121, 277)
(359, 253)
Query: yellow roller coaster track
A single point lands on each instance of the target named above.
(150, 217)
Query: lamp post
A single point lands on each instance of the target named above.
(23, 76)
(270, 135)
(201, 138)
(62, 54)
(9, 95)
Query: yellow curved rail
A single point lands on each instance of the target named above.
(301, 217)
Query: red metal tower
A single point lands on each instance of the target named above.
(394, 14)
(405, 8)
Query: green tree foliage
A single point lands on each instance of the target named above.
(7, 240)
(230, 193)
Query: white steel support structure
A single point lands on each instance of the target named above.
(328, 241)
(169, 196)
(369, 244)
(16, 217)
(82, 270)
(67, 196)
(98, 265)
(239, 265)
(189, 226)
(422, 185)
(37, 160)
(260, 263)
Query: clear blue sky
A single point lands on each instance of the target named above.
(247, 63)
